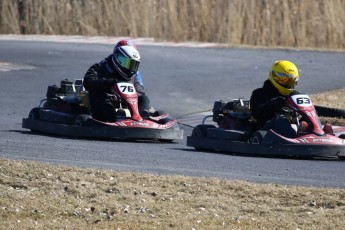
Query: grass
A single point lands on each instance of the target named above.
(43, 196)
(334, 99)
(294, 23)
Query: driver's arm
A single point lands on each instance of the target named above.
(261, 107)
(138, 87)
(93, 80)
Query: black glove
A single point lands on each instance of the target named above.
(110, 82)
(278, 102)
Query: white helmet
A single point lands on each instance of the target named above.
(126, 60)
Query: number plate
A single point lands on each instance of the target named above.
(126, 88)
(301, 100)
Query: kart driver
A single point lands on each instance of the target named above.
(120, 66)
(266, 101)
(125, 42)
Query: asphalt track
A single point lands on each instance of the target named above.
(180, 80)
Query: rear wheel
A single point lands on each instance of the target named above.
(201, 130)
(34, 114)
(329, 112)
(258, 137)
(166, 140)
(81, 120)
(342, 136)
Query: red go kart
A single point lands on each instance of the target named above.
(236, 132)
(66, 112)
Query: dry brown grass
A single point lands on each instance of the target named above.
(42, 196)
(334, 99)
(293, 23)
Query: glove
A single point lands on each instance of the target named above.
(110, 82)
(277, 102)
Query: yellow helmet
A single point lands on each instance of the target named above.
(284, 76)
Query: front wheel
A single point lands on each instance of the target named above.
(341, 156)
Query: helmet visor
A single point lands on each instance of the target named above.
(128, 63)
(288, 81)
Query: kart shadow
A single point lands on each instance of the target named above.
(105, 139)
(272, 156)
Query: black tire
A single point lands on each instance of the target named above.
(56, 117)
(82, 120)
(341, 158)
(45, 105)
(258, 137)
(166, 140)
(342, 136)
(34, 114)
(158, 113)
(329, 112)
(164, 120)
(201, 130)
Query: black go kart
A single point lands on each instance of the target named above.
(235, 132)
(66, 112)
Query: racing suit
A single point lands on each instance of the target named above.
(265, 103)
(98, 80)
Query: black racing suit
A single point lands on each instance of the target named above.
(265, 103)
(98, 80)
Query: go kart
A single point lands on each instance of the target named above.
(66, 112)
(237, 132)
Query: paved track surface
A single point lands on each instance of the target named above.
(182, 81)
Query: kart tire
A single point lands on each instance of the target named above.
(342, 136)
(82, 120)
(329, 112)
(201, 130)
(34, 114)
(258, 137)
(164, 120)
(166, 140)
(158, 113)
(341, 158)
